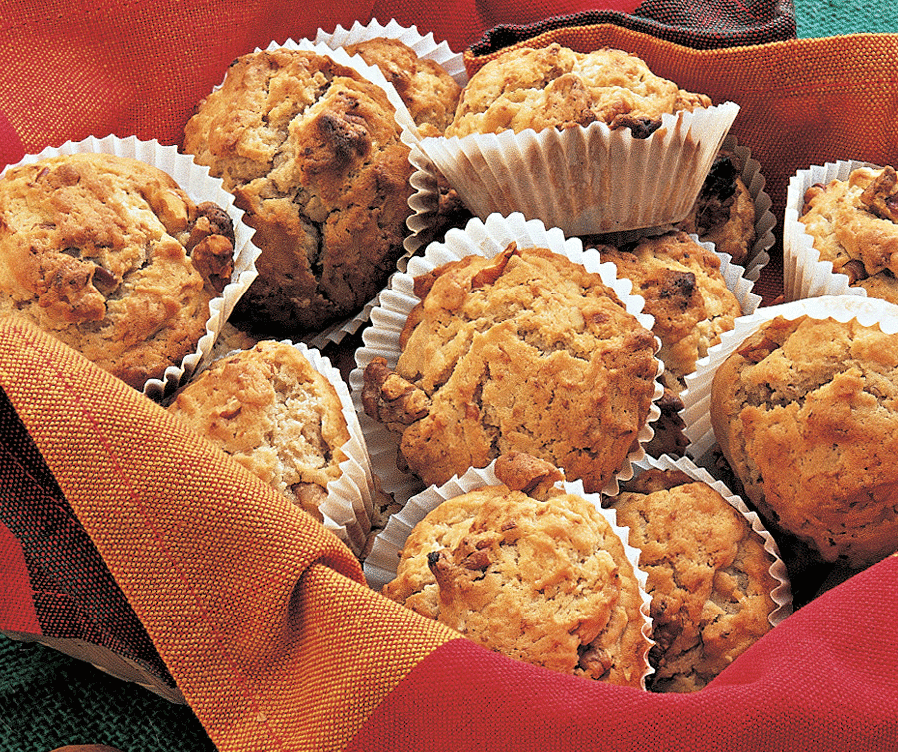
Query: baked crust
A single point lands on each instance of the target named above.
(312, 152)
(707, 573)
(541, 577)
(556, 87)
(853, 224)
(526, 351)
(427, 90)
(275, 414)
(806, 414)
(113, 258)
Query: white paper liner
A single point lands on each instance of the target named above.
(805, 275)
(573, 178)
(782, 592)
(195, 181)
(697, 395)
(381, 564)
(394, 304)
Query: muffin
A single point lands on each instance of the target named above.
(525, 350)
(707, 572)
(313, 152)
(275, 414)
(724, 212)
(805, 411)
(529, 570)
(575, 139)
(556, 87)
(688, 296)
(854, 226)
(112, 257)
(428, 91)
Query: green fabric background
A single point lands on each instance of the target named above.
(49, 700)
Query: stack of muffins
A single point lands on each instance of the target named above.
(499, 334)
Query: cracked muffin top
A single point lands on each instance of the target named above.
(113, 258)
(275, 414)
(684, 290)
(854, 224)
(525, 351)
(708, 576)
(557, 87)
(806, 414)
(312, 152)
(530, 571)
(428, 91)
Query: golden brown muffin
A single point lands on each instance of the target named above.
(724, 212)
(427, 90)
(806, 414)
(707, 573)
(686, 293)
(556, 87)
(312, 152)
(530, 571)
(113, 258)
(854, 224)
(526, 351)
(275, 414)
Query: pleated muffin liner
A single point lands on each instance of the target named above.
(805, 274)
(696, 397)
(388, 318)
(382, 562)
(782, 591)
(195, 181)
(585, 180)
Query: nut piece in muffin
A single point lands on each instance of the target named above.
(275, 414)
(724, 212)
(854, 224)
(109, 255)
(708, 576)
(688, 297)
(531, 571)
(806, 414)
(428, 91)
(557, 87)
(525, 351)
(312, 152)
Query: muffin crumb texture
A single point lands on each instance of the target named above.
(113, 258)
(541, 578)
(806, 414)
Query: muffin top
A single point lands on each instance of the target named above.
(427, 90)
(112, 257)
(806, 414)
(313, 154)
(707, 573)
(686, 293)
(854, 224)
(556, 87)
(275, 414)
(525, 351)
(531, 571)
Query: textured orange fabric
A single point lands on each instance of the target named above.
(275, 640)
